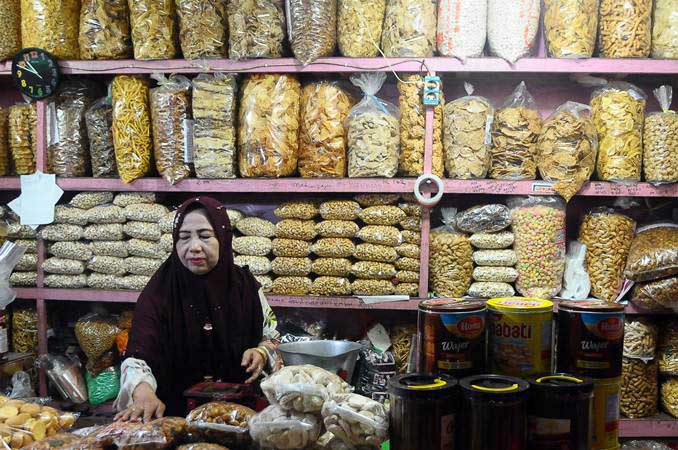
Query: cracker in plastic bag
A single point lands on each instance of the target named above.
(142, 230)
(70, 215)
(490, 289)
(154, 32)
(256, 28)
(515, 131)
(109, 265)
(145, 249)
(485, 218)
(104, 232)
(660, 139)
(256, 226)
(377, 253)
(332, 286)
(202, 28)
(359, 27)
(214, 130)
(322, 139)
(104, 30)
(22, 123)
(618, 114)
(142, 266)
(382, 215)
(333, 248)
(570, 27)
(512, 28)
(278, 429)
(251, 245)
(492, 241)
(409, 28)
(106, 214)
(356, 420)
(124, 199)
(466, 136)
(10, 28)
(268, 139)
(665, 30)
(66, 281)
(501, 258)
(62, 232)
(373, 131)
(653, 253)
(567, 148)
(146, 212)
(367, 200)
(99, 122)
(96, 334)
(87, 200)
(51, 26)
(170, 111)
(312, 28)
(625, 28)
(71, 250)
(258, 265)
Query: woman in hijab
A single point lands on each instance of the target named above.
(199, 316)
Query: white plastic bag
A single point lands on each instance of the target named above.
(576, 282)
(275, 428)
(462, 28)
(512, 27)
(10, 254)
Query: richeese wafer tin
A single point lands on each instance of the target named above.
(520, 333)
(590, 338)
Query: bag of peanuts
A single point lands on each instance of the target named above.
(660, 140)
(668, 349)
(653, 253)
(657, 295)
(640, 339)
(451, 264)
(96, 334)
(639, 388)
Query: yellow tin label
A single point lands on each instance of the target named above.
(606, 393)
(520, 304)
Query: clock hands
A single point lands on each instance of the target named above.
(29, 68)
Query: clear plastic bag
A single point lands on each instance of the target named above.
(539, 228)
(51, 26)
(409, 28)
(495, 274)
(607, 236)
(331, 286)
(490, 289)
(4, 148)
(221, 422)
(312, 28)
(142, 230)
(104, 30)
(512, 28)
(202, 28)
(618, 114)
(359, 27)
(106, 214)
(291, 286)
(87, 200)
(22, 124)
(333, 248)
(131, 127)
(10, 255)
(251, 245)
(125, 199)
(451, 264)
(293, 267)
(214, 130)
(576, 281)
(371, 270)
(639, 388)
(492, 241)
(96, 334)
(500, 258)
(462, 28)
(483, 219)
(372, 287)
(268, 140)
(667, 354)
(10, 28)
(340, 210)
(291, 247)
(103, 387)
(515, 132)
(322, 140)
(382, 215)
(109, 265)
(377, 253)
(103, 232)
(302, 209)
(256, 28)
(367, 200)
(625, 28)
(653, 253)
(258, 265)
(154, 32)
(665, 30)
(256, 226)
(170, 105)
(570, 27)
(373, 131)
(640, 339)
(278, 429)
(303, 230)
(356, 420)
(656, 295)
(643, 445)
(567, 148)
(332, 267)
(413, 128)
(66, 376)
(467, 136)
(63, 266)
(99, 120)
(660, 139)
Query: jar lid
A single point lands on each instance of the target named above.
(562, 383)
(417, 385)
(442, 305)
(520, 304)
(591, 305)
(497, 386)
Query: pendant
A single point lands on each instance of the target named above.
(207, 327)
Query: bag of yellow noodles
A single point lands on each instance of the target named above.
(131, 127)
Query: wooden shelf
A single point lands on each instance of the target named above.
(342, 65)
(662, 426)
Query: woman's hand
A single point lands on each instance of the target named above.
(253, 360)
(146, 405)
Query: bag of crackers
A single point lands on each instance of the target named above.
(567, 148)
(570, 27)
(221, 422)
(660, 141)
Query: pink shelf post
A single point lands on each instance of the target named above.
(40, 306)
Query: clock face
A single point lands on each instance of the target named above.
(36, 73)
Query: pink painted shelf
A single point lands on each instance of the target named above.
(539, 187)
(341, 64)
(654, 427)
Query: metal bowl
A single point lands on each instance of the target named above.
(337, 357)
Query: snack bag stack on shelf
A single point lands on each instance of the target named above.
(639, 388)
(409, 252)
(667, 356)
(660, 140)
(451, 263)
(494, 258)
(25, 272)
(4, 149)
(99, 123)
(262, 232)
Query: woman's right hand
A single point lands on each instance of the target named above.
(146, 405)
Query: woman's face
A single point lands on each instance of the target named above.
(197, 247)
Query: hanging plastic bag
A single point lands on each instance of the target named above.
(104, 30)
(22, 387)
(10, 29)
(539, 227)
(515, 132)
(131, 127)
(570, 27)
(576, 282)
(103, 387)
(22, 123)
(312, 28)
(214, 130)
(660, 140)
(625, 28)
(665, 30)
(51, 26)
(451, 263)
(202, 28)
(96, 334)
(359, 27)
(467, 136)
(66, 376)
(373, 131)
(413, 128)
(409, 29)
(462, 28)
(618, 114)
(512, 28)
(10, 255)
(567, 148)
(154, 32)
(171, 111)
(99, 120)
(322, 147)
(256, 28)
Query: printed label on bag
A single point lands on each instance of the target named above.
(189, 154)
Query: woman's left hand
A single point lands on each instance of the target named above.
(254, 362)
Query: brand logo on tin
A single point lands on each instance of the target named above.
(471, 326)
(611, 328)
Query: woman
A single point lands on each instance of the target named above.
(200, 315)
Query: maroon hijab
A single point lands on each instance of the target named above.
(188, 326)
